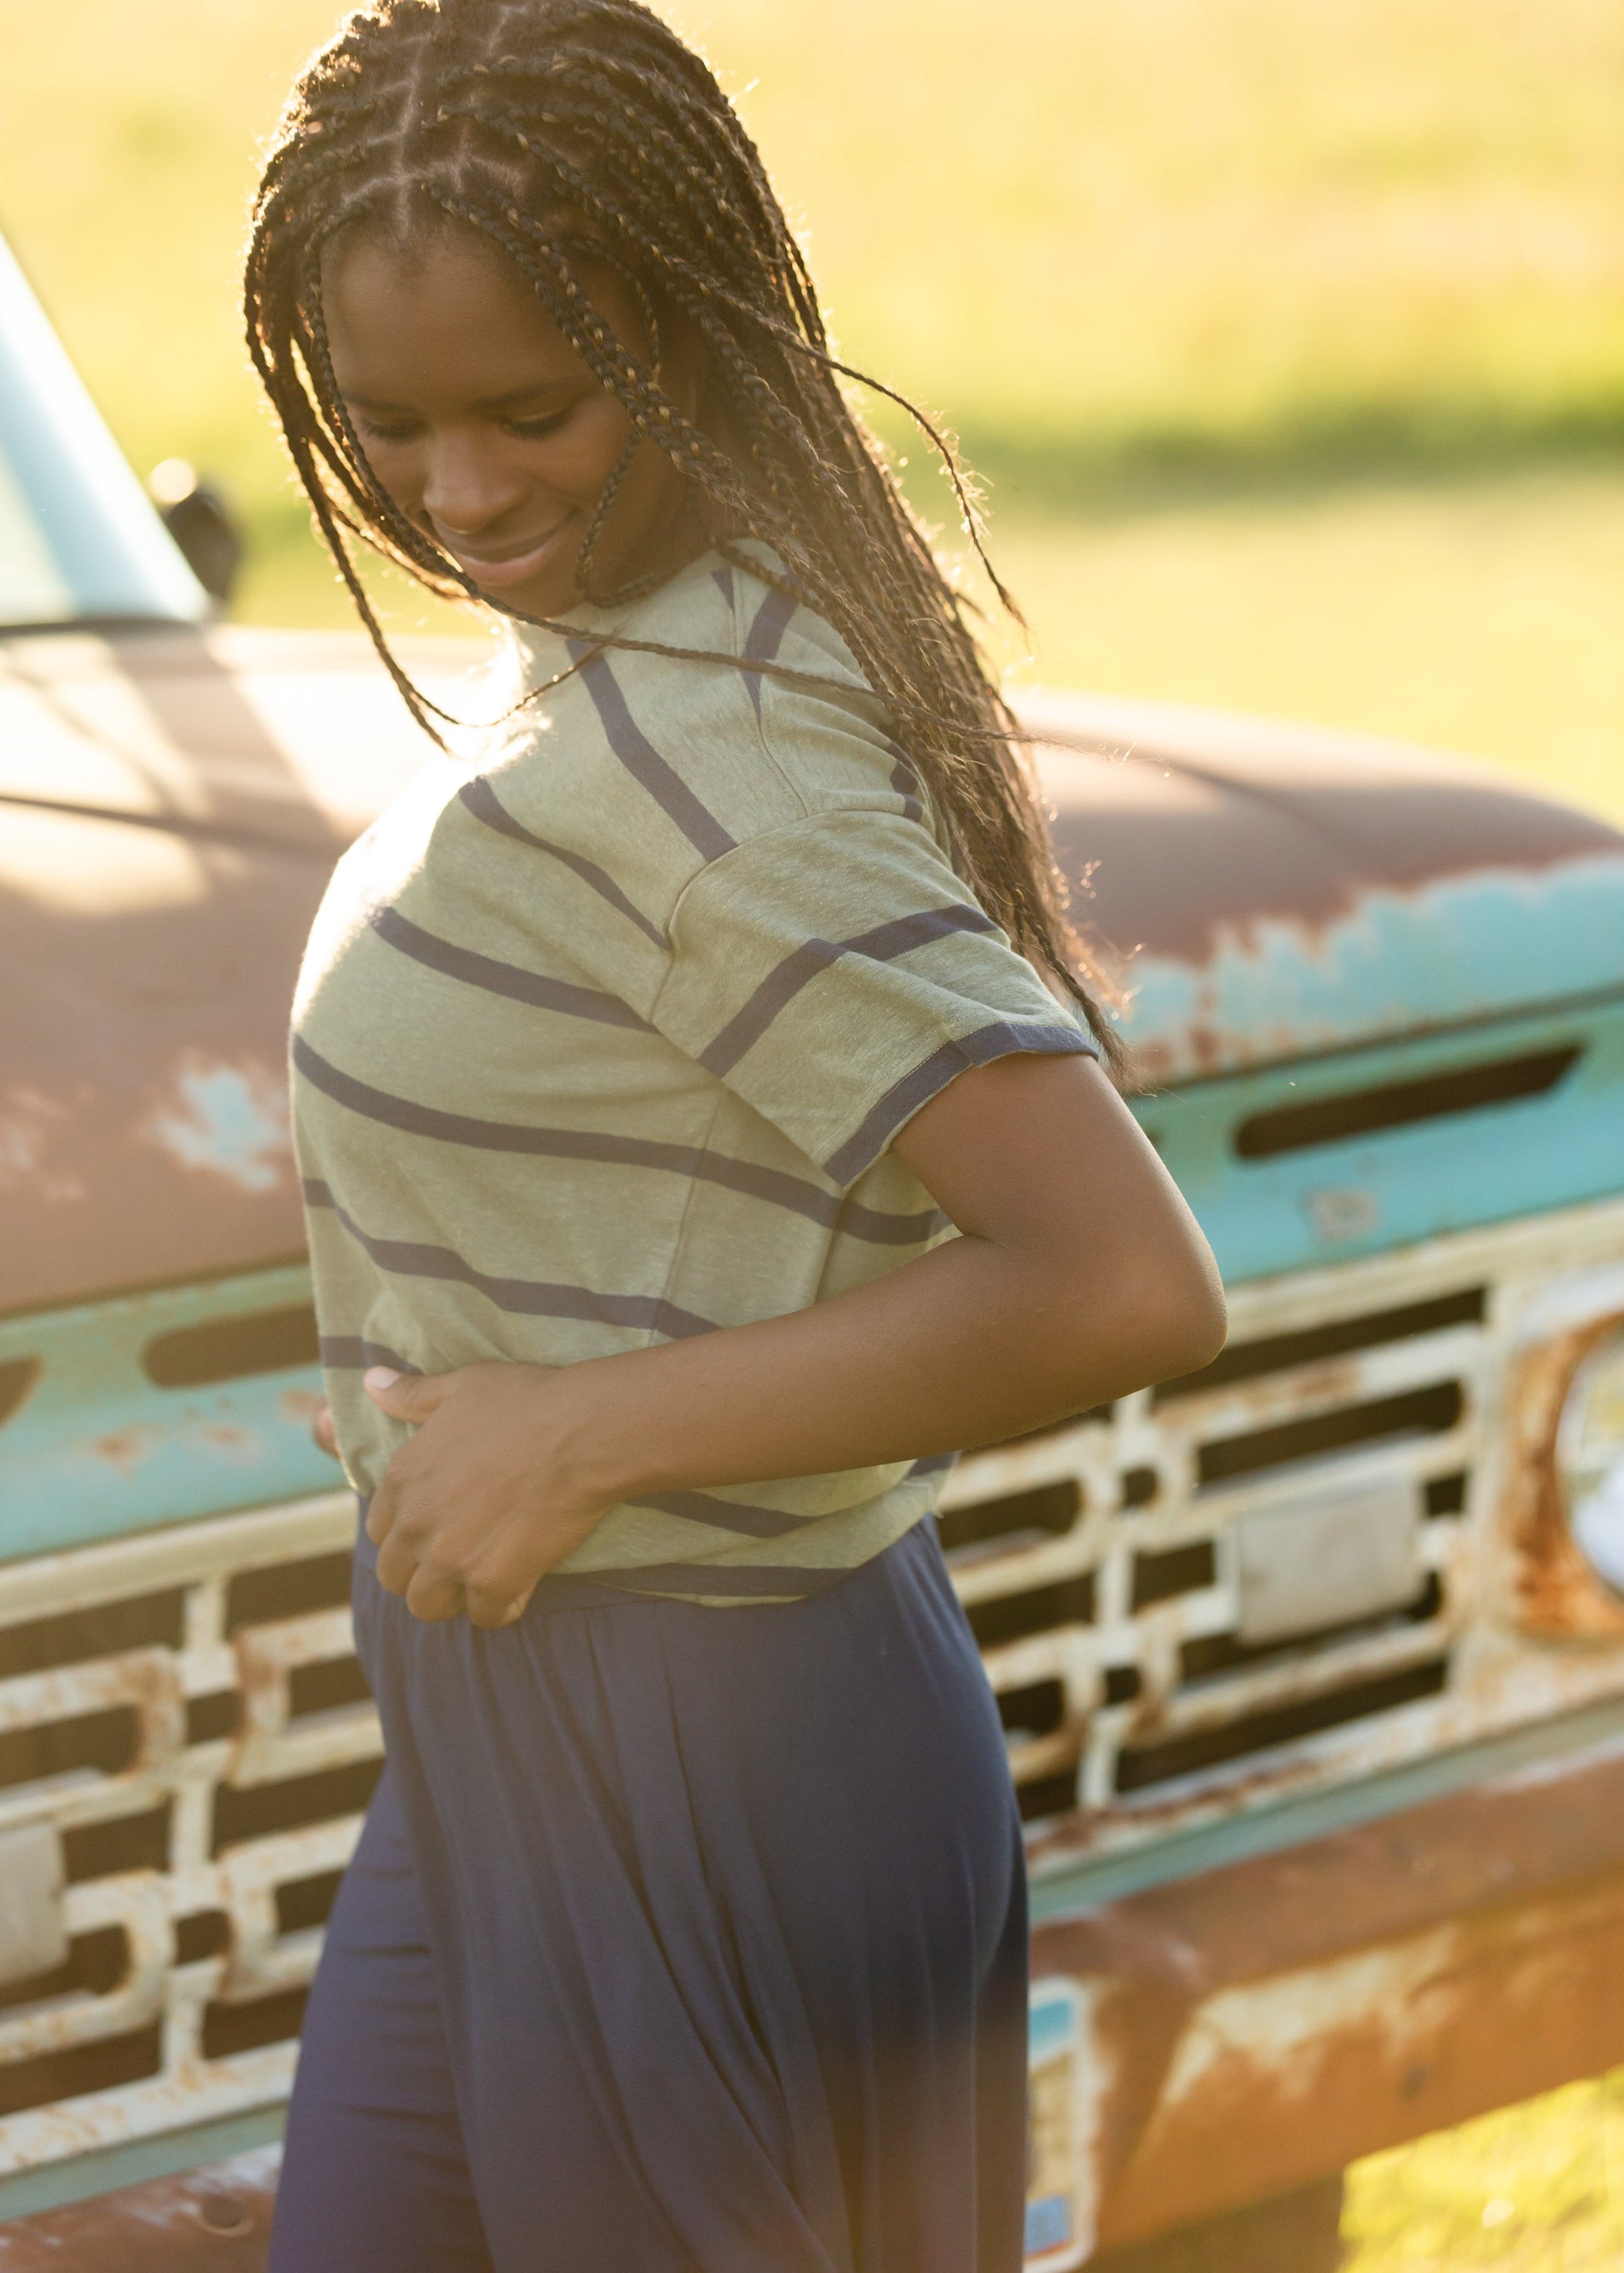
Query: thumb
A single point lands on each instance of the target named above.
(404, 1396)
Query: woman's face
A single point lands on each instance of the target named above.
(485, 426)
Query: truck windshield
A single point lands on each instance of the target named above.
(79, 539)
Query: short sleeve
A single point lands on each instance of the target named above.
(836, 975)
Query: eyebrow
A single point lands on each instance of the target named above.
(514, 396)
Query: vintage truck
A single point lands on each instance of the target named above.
(1312, 1664)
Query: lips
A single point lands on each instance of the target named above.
(504, 569)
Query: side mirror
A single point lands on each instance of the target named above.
(202, 522)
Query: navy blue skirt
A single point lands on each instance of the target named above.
(678, 1940)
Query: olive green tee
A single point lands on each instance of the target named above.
(605, 1042)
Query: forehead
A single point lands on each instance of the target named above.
(443, 321)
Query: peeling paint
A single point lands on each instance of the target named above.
(228, 1120)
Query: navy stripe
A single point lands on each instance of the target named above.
(532, 1298)
(483, 802)
(722, 579)
(762, 1522)
(904, 780)
(883, 944)
(494, 978)
(764, 638)
(703, 831)
(347, 1353)
(773, 1185)
(904, 1098)
(725, 1514)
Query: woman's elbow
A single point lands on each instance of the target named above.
(1165, 1317)
(1188, 1324)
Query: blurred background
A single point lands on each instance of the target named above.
(1286, 336)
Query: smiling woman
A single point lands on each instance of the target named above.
(704, 1135)
(486, 427)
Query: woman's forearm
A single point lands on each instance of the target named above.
(1078, 1274)
(1081, 1275)
(968, 1343)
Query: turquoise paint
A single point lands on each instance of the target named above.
(1487, 943)
(98, 1451)
(24, 2193)
(1465, 1169)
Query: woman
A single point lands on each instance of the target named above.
(643, 1074)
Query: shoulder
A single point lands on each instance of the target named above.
(824, 727)
(655, 763)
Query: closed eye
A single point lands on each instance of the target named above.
(379, 430)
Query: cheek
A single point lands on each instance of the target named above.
(397, 469)
(580, 460)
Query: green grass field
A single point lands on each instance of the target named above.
(1289, 336)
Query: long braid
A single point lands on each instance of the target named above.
(577, 136)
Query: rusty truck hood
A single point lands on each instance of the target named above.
(1266, 891)
(170, 805)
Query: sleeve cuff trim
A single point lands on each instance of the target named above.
(904, 1099)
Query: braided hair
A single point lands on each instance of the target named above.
(576, 136)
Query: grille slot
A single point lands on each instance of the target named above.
(233, 1349)
(231, 2029)
(90, 1743)
(993, 1525)
(1139, 1767)
(287, 1590)
(100, 2067)
(260, 1809)
(1245, 1361)
(18, 1377)
(109, 1630)
(1430, 1411)
(1177, 1570)
(1398, 1104)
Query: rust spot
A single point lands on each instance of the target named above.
(1255, 2027)
(303, 1406)
(1557, 1596)
(125, 1449)
(222, 1437)
(1271, 824)
(216, 2220)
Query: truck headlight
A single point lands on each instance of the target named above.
(1589, 1452)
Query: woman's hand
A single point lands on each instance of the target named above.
(481, 1501)
(1079, 1274)
(324, 1434)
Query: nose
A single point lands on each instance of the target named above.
(468, 487)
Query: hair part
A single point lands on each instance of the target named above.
(582, 135)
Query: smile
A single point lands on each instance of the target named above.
(507, 568)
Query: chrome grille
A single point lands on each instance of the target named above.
(1099, 1562)
(206, 1808)
(185, 1708)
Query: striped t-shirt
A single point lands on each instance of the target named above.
(605, 1044)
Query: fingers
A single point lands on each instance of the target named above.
(491, 1607)
(431, 1597)
(322, 1429)
(410, 1397)
(498, 1581)
(381, 1509)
